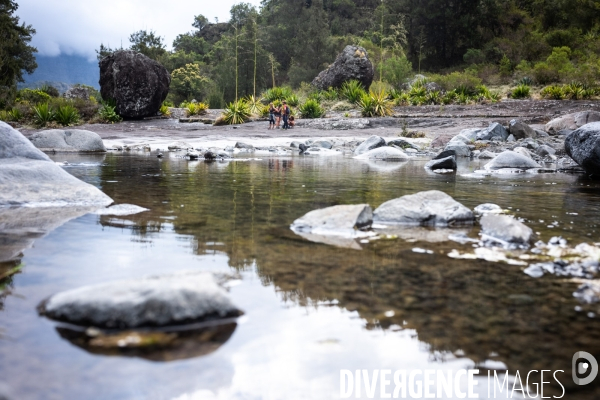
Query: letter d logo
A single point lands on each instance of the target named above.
(584, 367)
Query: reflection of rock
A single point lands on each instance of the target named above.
(68, 140)
(431, 207)
(383, 154)
(19, 227)
(153, 345)
(121, 210)
(149, 302)
(28, 177)
(348, 241)
(421, 233)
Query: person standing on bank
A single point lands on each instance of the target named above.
(271, 116)
(286, 115)
(277, 114)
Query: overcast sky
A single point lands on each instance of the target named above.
(79, 26)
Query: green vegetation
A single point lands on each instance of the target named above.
(236, 112)
(311, 109)
(375, 104)
(66, 115)
(521, 92)
(108, 114)
(43, 114)
(352, 91)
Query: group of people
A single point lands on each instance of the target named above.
(276, 114)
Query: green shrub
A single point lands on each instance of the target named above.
(525, 81)
(164, 110)
(553, 92)
(403, 99)
(330, 94)
(433, 97)
(236, 112)
(66, 115)
(573, 91)
(168, 104)
(521, 92)
(352, 90)
(449, 97)
(311, 109)
(457, 79)
(505, 66)
(254, 104)
(292, 100)
(474, 56)
(375, 104)
(42, 114)
(215, 100)
(50, 91)
(544, 74)
(277, 93)
(32, 96)
(108, 114)
(316, 96)
(417, 90)
(396, 70)
(196, 109)
(4, 116)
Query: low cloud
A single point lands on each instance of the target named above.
(78, 27)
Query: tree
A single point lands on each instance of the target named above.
(147, 43)
(188, 83)
(16, 55)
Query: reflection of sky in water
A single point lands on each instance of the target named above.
(280, 350)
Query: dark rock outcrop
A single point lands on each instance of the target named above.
(521, 130)
(352, 63)
(583, 146)
(135, 82)
(445, 160)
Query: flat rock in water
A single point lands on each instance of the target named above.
(430, 208)
(583, 146)
(371, 143)
(384, 154)
(506, 229)
(28, 177)
(322, 143)
(571, 121)
(68, 140)
(488, 208)
(510, 159)
(336, 219)
(448, 162)
(148, 302)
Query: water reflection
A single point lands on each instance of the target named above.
(460, 311)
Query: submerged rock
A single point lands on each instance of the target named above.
(322, 143)
(335, 219)
(488, 208)
(588, 292)
(383, 154)
(68, 140)
(510, 159)
(121, 210)
(29, 177)
(583, 146)
(148, 302)
(430, 208)
(371, 143)
(506, 229)
(352, 63)
(137, 84)
(571, 121)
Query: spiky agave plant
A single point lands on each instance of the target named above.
(236, 112)
(66, 115)
(254, 104)
(352, 90)
(521, 92)
(553, 92)
(311, 109)
(42, 114)
(375, 104)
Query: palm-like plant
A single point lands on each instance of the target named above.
(42, 114)
(311, 109)
(353, 91)
(67, 115)
(375, 104)
(236, 112)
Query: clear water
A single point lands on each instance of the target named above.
(310, 309)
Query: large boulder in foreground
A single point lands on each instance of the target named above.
(167, 300)
(68, 140)
(521, 130)
(352, 63)
(583, 146)
(29, 178)
(135, 82)
(571, 121)
(505, 229)
(511, 159)
(430, 208)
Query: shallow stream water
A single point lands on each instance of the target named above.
(311, 309)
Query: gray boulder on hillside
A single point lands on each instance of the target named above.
(506, 229)
(430, 208)
(583, 146)
(352, 63)
(510, 159)
(371, 143)
(29, 177)
(493, 132)
(521, 130)
(137, 84)
(571, 121)
(68, 140)
(149, 302)
(77, 92)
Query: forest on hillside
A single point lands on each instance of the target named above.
(288, 42)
